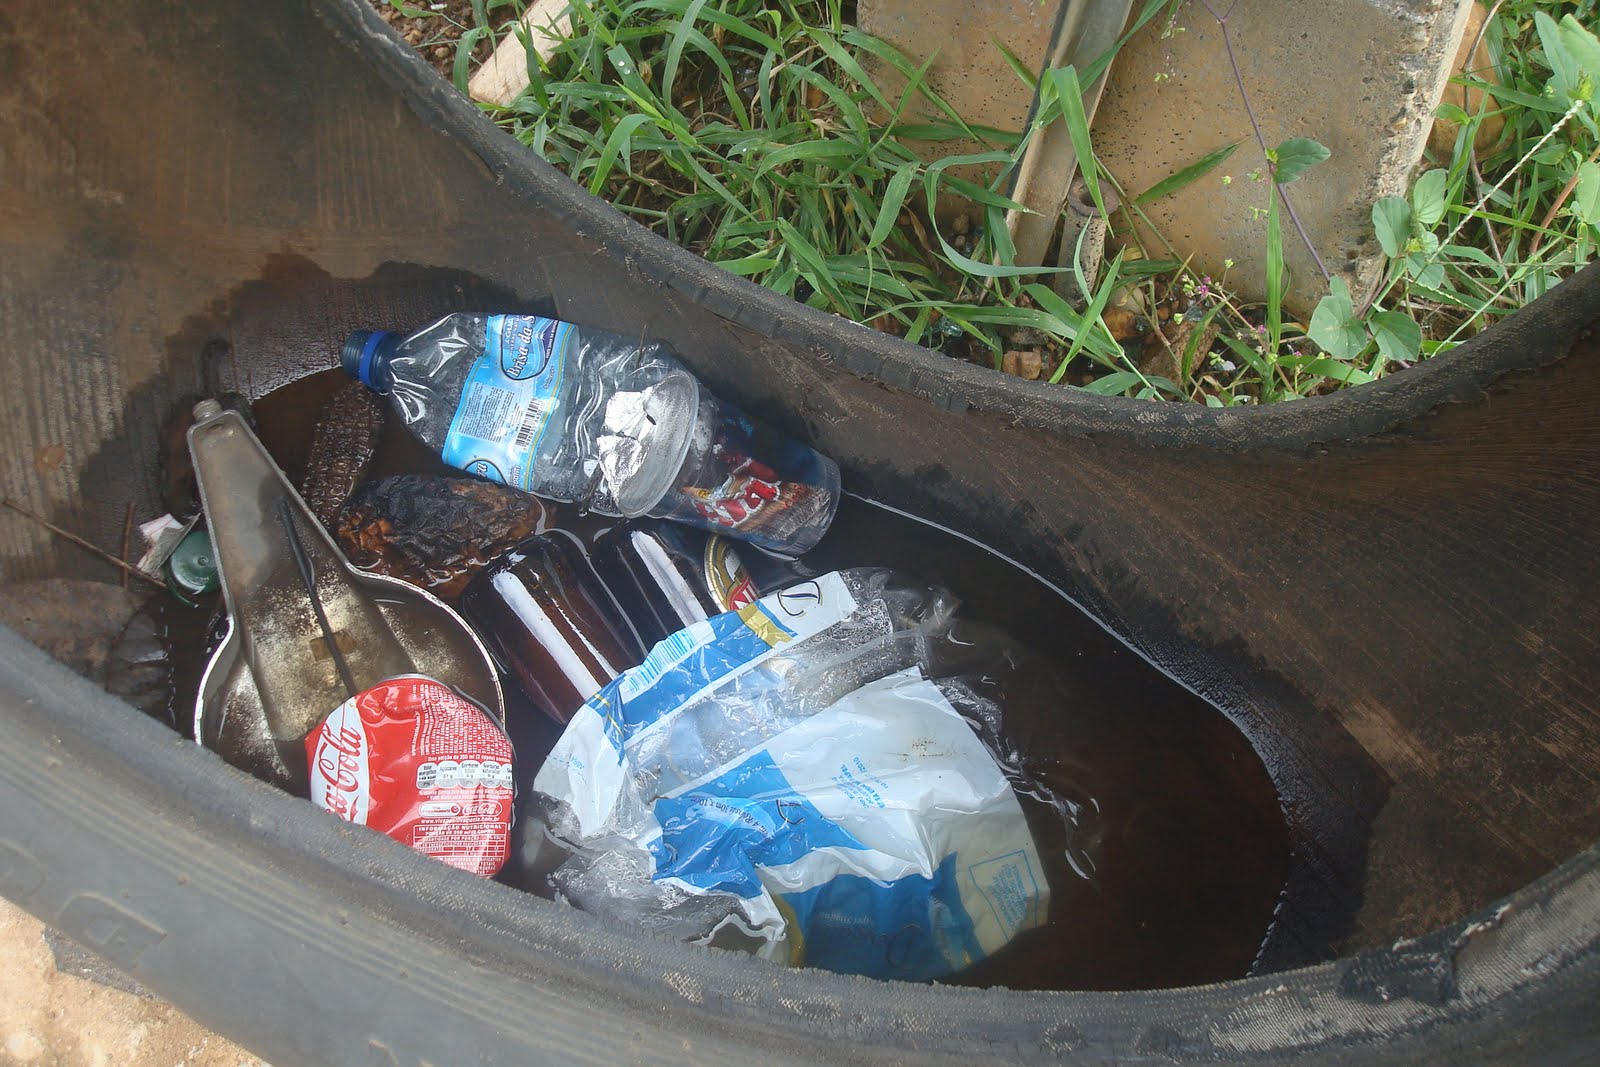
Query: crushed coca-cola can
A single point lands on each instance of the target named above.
(414, 759)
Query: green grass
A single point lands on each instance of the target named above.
(753, 134)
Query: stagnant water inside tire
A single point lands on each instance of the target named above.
(1166, 851)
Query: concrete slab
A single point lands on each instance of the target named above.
(1361, 76)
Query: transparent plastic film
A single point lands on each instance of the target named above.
(789, 779)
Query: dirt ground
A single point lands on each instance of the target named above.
(51, 1019)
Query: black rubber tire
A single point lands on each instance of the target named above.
(310, 941)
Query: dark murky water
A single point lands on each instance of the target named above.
(1165, 846)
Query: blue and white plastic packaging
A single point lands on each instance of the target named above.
(787, 779)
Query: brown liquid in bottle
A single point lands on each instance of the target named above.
(551, 624)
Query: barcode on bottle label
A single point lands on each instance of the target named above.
(507, 400)
(668, 653)
(531, 419)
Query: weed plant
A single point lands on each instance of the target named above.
(753, 134)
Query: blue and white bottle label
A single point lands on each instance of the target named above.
(508, 400)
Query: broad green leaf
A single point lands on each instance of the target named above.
(1391, 218)
(1427, 199)
(1421, 267)
(1563, 71)
(1070, 95)
(1581, 44)
(1114, 384)
(1334, 325)
(1296, 156)
(1193, 172)
(1398, 335)
(1339, 372)
(1585, 201)
(894, 195)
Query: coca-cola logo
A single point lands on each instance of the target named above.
(339, 780)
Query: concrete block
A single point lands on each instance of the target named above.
(1361, 76)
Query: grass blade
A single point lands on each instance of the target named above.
(894, 195)
(1091, 317)
(680, 36)
(1188, 175)
(1274, 276)
(617, 144)
(1070, 95)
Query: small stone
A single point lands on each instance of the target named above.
(1129, 297)
(1023, 363)
(1122, 323)
(442, 52)
(48, 460)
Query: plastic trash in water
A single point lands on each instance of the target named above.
(273, 679)
(788, 779)
(576, 414)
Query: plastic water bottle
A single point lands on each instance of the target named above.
(543, 406)
(576, 414)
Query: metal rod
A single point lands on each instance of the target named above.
(127, 535)
(308, 576)
(127, 567)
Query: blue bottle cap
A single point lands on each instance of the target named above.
(362, 357)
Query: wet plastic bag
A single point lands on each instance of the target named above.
(788, 779)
